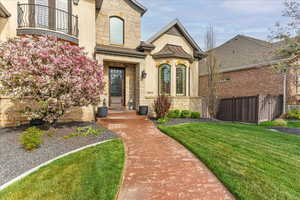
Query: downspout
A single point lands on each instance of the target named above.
(284, 91)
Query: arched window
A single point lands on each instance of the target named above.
(181, 80)
(165, 79)
(116, 30)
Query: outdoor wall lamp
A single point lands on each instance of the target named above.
(76, 2)
(144, 74)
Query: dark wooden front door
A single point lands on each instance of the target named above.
(116, 87)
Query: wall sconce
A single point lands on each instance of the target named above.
(144, 74)
(75, 2)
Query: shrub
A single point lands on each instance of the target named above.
(195, 115)
(294, 114)
(85, 131)
(185, 114)
(276, 122)
(161, 106)
(163, 120)
(174, 114)
(31, 138)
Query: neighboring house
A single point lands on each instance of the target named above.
(246, 70)
(135, 71)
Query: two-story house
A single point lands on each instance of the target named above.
(136, 71)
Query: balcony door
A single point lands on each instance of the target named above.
(42, 13)
(62, 17)
(53, 14)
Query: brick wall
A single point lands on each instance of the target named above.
(252, 82)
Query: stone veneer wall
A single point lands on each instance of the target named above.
(10, 113)
(131, 17)
(181, 103)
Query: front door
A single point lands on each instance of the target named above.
(116, 87)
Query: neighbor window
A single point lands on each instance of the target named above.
(181, 80)
(116, 30)
(165, 79)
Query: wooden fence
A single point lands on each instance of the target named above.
(253, 109)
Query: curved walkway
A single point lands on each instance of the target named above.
(157, 167)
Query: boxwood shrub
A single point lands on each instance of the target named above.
(31, 138)
(195, 115)
(275, 123)
(185, 114)
(174, 114)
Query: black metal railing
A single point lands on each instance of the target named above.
(40, 16)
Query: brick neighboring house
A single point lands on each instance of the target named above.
(135, 71)
(245, 66)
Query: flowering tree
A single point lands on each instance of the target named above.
(55, 74)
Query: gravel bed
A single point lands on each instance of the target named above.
(14, 160)
(295, 131)
(176, 121)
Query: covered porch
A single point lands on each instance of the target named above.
(124, 82)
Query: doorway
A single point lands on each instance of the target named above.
(116, 87)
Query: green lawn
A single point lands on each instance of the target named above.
(254, 164)
(91, 174)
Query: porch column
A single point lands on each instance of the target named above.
(140, 91)
(173, 77)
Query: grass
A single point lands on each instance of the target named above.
(253, 163)
(91, 174)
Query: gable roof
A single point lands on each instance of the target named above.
(135, 3)
(243, 52)
(251, 39)
(183, 31)
(174, 51)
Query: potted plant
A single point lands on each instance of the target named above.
(143, 110)
(102, 111)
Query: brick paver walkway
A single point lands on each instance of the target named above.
(157, 167)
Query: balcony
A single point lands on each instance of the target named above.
(35, 19)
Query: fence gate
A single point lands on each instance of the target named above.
(251, 109)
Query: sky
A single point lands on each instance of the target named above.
(229, 18)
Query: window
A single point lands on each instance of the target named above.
(165, 79)
(116, 30)
(181, 80)
(298, 84)
(42, 13)
(62, 16)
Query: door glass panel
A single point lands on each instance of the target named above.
(116, 82)
(62, 15)
(42, 13)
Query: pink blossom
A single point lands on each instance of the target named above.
(52, 72)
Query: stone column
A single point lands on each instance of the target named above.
(173, 78)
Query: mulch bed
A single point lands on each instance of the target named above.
(14, 160)
(176, 121)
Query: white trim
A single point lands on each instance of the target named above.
(2, 187)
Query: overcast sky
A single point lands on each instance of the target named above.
(229, 17)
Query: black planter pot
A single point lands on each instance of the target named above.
(37, 122)
(143, 110)
(102, 112)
